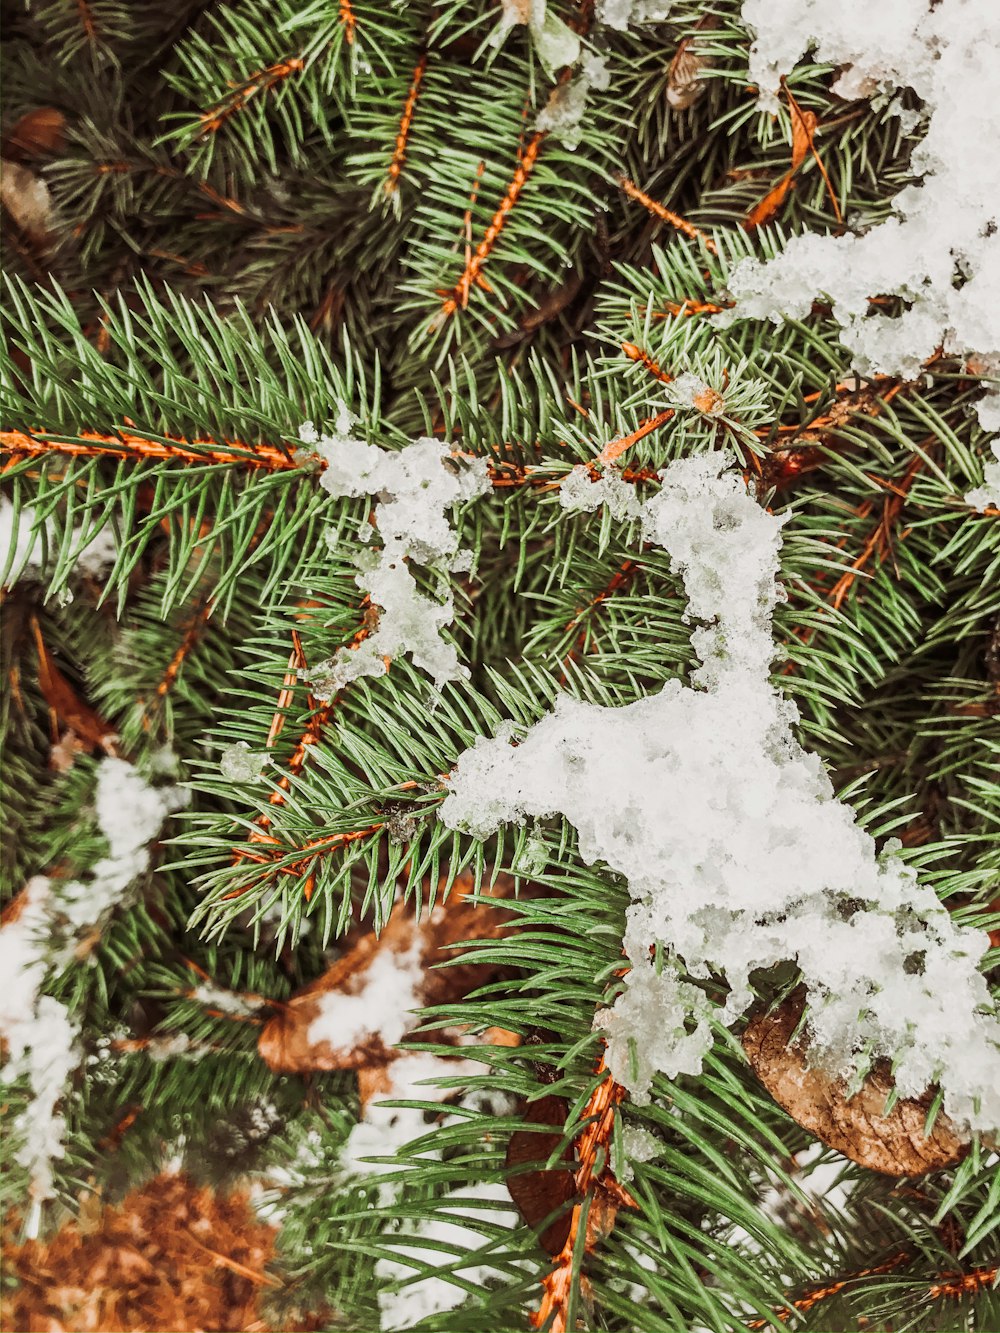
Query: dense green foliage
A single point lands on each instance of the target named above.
(224, 263)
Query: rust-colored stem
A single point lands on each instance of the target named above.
(405, 122)
(472, 273)
(90, 444)
(553, 1312)
(262, 81)
(665, 215)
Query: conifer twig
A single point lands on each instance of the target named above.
(262, 81)
(471, 275)
(591, 1173)
(91, 444)
(635, 353)
(824, 1292)
(87, 20)
(405, 121)
(614, 449)
(665, 214)
(196, 625)
(348, 21)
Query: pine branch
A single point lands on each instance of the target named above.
(601, 1196)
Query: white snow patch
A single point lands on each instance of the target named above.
(239, 763)
(462, 1227)
(40, 1034)
(32, 543)
(621, 14)
(639, 1145)
(383, 1131)
(736, 852)
(563, 114)
(941, 249)
(233, 1003)
(987, 496)
(381, 1008)
(417, 486)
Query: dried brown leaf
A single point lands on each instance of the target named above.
(285, 1044)
(26, 198)
(803, 127)
(894, 1144)
(36, 134)
(67, 705)
(540, 1192)
(684, 82)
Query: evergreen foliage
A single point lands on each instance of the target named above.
(260, 211)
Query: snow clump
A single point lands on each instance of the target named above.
(417, 486)
(940, 251)
(737, 854)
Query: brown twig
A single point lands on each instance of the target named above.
(262, 81)
(192, 634)
(665, 215)
(592, 1175)
(405, 122)
(635, 353)
(472, 274)
(90, 444)
(87, 20)
(823, 1293)
(614, 449)
(348, 21)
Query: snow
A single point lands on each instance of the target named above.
(556, 44)
(940, 251)
(130, 814)
(384, 1131)
(639, 1145)
(736, 852)
(241, 764)
(233, 1003)
(418, 486)
(578, 493)
(40, 1034)
(563, 114)
(32, 544)
(464, 1219)
(99, 554)
(621, 14)
(687, 390)
(987, 496)
(381, 1008)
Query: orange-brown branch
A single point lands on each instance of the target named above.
(192, 634)
(304, 864)
(689, 306)
(262, 81)
(617, 580)
(665, 215)
(405, 122)
(592, 1149)
(956, 1285)
(879, 540)
(472, 273)
(635, 353)
(87, 20)
(348, 21)
(614, 449)
(878, 543)
(90, 444)
(824, 1293)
